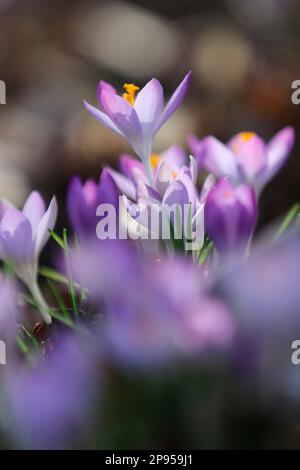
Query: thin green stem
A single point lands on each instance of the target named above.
(287, 221)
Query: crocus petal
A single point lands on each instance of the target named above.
(102, 85)
(196, 147)
(145, 191)
(34, 209)
(103, 118)
(149, 105)
(4, 205)
(108, 191)
(46, 223)
(182, 193)
(125, 118)
(82, 201)
(175, 101)
(278, 151)
(250, 155)
(124, 184)
(16, 236)
(128, 164)
(230, 216)
(165, 174)
(206, 187)
(218, 159)
(174, 155)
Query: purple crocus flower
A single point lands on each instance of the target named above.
(174, 184)
(176, 193)
(230, 216)
(246, 158)
(165, 167)
(23, 235)
(83, 200)
(49, 402)
(151, 311)
(137, 119)
(264, 292)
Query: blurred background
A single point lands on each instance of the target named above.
(244, 57)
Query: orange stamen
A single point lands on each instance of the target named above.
(130, 89)
(154, 160)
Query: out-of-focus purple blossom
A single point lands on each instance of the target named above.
(246, 158)
(230, 216)
(83, 200)
(137, 119)
(264, 293)
(151, 311)
(49, 402)
(23, 235)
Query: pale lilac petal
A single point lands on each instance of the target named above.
(250, 155)
(124, 116)
(47, 223)
(11, 219)
(218, 159)
(128, 164)
(196, 147)
(4, 205)
(102, 85)
(278, 150)
(145, 191)
(102, 118)
(175, 100)
(164, 175)
(16, 236)
(174, 155)
(182, 193)
(34, 209)
(149, 105)
(208, 184)
(124, 184)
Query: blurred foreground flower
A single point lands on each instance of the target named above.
(264, 293)
(49, 402)
(162, 310)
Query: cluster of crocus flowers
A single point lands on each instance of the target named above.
(241, 168)
(135, 311)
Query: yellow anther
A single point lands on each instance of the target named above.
(174, 174)
(154, 160)
(130, 89)
(246, 136)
